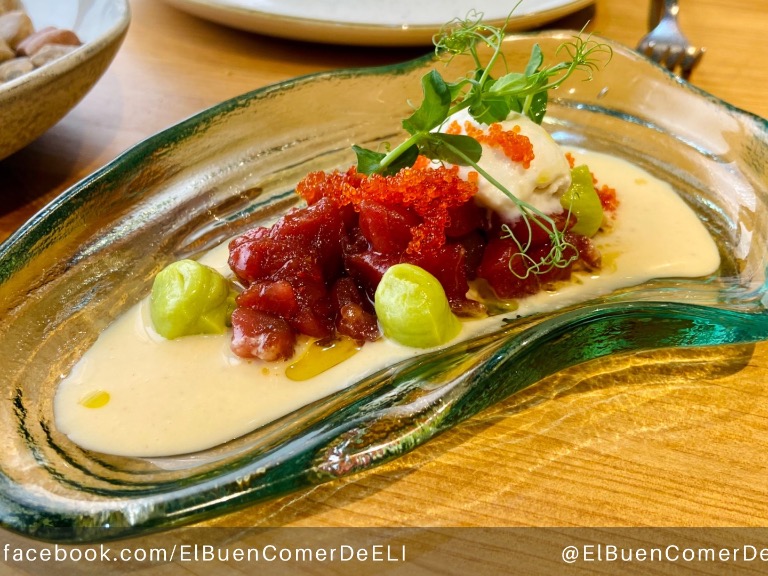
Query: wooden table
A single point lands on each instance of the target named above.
(678, 442)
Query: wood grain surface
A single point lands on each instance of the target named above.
(663, 439)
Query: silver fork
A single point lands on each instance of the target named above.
(665, 43)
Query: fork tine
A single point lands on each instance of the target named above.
(661, 53)
(673, 57)
(691, 59)
(648, 48)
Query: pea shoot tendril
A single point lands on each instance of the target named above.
(487, 99)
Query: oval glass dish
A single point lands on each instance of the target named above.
(91, 254)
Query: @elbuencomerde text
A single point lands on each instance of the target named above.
(587, 553)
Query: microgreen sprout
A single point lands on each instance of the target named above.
(487, 100)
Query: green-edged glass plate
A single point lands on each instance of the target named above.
(91, 254)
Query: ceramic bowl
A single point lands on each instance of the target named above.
(33, 102)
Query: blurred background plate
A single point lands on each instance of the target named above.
(35, 101)
(370, 22)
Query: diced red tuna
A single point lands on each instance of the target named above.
(259, 335)
(506, 271)
(353, 317)
(388, 229)
(464, 219)
(588, 252)
(354, 321)
(274, 297)
(368, 267)
(448, 265)
(314, 316)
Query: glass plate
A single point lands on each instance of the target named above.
(93, 252)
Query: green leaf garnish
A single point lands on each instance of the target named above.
(452, 148)
(434, 108)
(487, 100)
(535, 61)
(368, 161)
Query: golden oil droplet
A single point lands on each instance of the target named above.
(97, 399)
(321, 355)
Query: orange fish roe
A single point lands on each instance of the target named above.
(342, 187)
(429, 192)
(453, 128)
(517, 147)
(608, 198)
(421, 162)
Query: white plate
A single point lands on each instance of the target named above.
(370, 22)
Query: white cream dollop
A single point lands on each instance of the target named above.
(541, 184)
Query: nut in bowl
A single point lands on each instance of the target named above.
(51, 55)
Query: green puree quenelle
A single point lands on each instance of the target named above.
(190, 298)
(583, 202)
(413, 309)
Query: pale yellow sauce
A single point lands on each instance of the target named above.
(136, 394)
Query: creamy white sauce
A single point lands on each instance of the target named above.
(174, 397)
